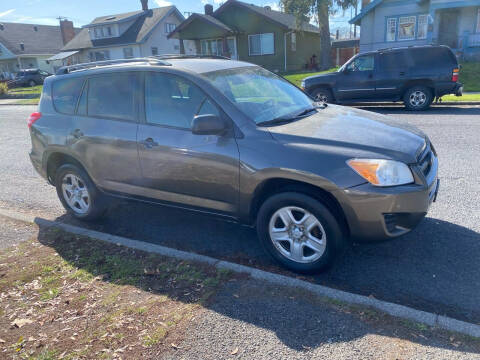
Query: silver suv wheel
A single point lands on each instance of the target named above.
(297, 234)
(418, 98)
(75, 193)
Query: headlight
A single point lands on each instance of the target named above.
(381, 172)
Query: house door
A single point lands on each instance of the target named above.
(448, 29)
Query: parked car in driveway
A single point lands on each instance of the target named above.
(29, 77)
(231, 139)
(415, 75)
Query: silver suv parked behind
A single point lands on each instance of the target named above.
(231, 139)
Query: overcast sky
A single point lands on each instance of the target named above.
(81, 12)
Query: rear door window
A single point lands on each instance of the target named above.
(65, 94)
(394, 61)
(112, 96)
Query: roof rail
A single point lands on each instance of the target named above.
(70, 68)
(185, 56)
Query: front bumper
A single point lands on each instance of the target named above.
(376, 213)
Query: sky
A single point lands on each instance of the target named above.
(82, 12)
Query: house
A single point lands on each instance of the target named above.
(123, 36)
(24, 46)
(393, 23)
(343, 50)
(260, 35)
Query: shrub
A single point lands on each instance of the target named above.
(3, 88)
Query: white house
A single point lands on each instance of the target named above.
(24, 46)
(128, 35)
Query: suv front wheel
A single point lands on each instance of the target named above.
(78, 194)
(418, 98)
(299, 232)
(323, 95)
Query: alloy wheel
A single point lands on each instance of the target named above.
(75, 193)
(297, 234)
(418, 98)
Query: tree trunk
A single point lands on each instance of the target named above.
(325, 44)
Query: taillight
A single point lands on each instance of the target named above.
(32, 118)
(455, 75)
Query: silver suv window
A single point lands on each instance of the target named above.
(65, 94)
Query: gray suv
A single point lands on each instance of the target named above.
(231, 139)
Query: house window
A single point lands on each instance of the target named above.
(96, 32)
(261, 44)
(169, 28)
(406, 27)
(391, 29)
(128, 53)
(294, 42)
(99, 55)
(154, 50)
(109, 31)
(422, 26)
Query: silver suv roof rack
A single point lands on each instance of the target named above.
(185, 56)
(68, 69)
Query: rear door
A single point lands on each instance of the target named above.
(357, 81)
(200, 171)
(393, 71)
(104, 133)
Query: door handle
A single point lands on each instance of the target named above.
(77, 133)
(149, 143)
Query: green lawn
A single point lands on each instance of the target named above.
(34, 90)
(470, 76)
(465, 97)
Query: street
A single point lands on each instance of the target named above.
(434, 268)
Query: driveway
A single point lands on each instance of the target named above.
(435, 268)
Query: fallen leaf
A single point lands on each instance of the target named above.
(174, 346)
(234, 352)
(2, 341)
(20, 322)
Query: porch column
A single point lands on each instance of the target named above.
(431, 25)
(198, 48)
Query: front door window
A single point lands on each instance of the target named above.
(362, 63)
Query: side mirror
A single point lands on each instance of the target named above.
(208, 125)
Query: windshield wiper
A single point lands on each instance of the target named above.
(276, 121)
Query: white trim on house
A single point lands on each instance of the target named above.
(478, 21)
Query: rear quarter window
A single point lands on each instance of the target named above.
(432, 57)
(65, 94)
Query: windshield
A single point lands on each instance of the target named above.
(260, 94)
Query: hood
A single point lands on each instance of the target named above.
(357, 133)
(321, 77)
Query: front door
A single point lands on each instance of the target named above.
(200, 171)
(448, 29)
(357, 80)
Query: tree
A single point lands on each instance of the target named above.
(319, 10)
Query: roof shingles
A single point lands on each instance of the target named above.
(45, 40)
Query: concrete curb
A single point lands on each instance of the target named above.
(392, 309)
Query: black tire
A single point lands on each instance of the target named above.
(323, 95)
(32, 83)
(97, 201)
(418, 98)
(335, 238)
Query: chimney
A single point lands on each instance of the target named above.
(144, 5)
(365, 3)
(66, 28)
(208, 9)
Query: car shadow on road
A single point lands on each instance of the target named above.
(434, 268)
(299, 320)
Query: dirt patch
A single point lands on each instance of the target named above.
(64, 296)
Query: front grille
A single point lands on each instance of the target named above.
(425, 160)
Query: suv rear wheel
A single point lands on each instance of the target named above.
(299, 232)
(78, 194)
(418, 98)
(323, 95)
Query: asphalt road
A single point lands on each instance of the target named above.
(434, 268)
